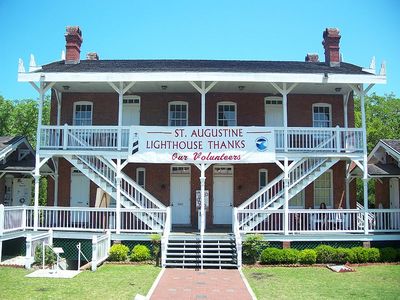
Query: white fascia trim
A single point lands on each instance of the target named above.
(200, 76)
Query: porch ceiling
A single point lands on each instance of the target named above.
(186, 87)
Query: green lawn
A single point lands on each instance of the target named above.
(372, 282)
(108, 282)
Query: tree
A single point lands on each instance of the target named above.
(6, 108)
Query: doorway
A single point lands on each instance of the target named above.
(180, 195)
(131, 111)
(80, 195)
(222, 195)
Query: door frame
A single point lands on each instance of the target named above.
(131, 101)
(231, 175)
(279, 103)
(394, 192)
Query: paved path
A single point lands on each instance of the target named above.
(209, 284)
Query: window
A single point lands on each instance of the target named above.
(262, 178)
(83, 112)
(322, 115)
(141, 177)
(226, 115)
(297, 201)
(178, 113)
(180, 170)
(323, 190)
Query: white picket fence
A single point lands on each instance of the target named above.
(33, 241)
(100, 249)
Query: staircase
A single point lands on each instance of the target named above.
(184, 251)
(272, 197)
(103, 173)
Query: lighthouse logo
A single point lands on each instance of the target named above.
(262, 144)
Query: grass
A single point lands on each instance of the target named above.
(368, 282)
(108, 282)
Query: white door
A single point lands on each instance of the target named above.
(394, 193)
(273, 115)
(131, 111)
(80, 194)
(180, 195)
(223, 195)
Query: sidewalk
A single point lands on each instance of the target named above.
(210, 284)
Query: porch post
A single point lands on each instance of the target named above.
(56, 189)
(202, 210)
(118, 200)
(120, 103)
(59, 98)
(365, 158)
(347, 188)
(345, 102)
(36, 203)
(286, 195)
(285, 121)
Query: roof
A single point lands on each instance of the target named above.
(228, 66)
(380, 169)
(6, 141)
(394, 144)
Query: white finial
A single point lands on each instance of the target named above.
(341, 57)
(21, 68)
(372, 65)
(63, 55)
(32, 62)
(383, 69)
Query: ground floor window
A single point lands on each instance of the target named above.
(323, 190)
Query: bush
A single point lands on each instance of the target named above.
(326, 254)
(290, 256)
(252, 247)
(388, 254)
(344, 255)
(118, 252)
(360, 254)
(307, 257)
(373, 255)
(50, 257)
(271, 256)
(156, 242)
(140, 253)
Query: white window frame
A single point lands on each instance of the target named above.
(223, 170)
(328, 202)
(278, 100)
(180, 170)
(178, 103)
(324, 105)
(260, 171)
(131, 100)
(74, 112)
(138, 171)
(226, 103)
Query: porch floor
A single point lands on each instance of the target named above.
(207, 284)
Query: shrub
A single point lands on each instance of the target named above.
(271, 256)
(360, 254)
(325, 254)
(290, 256)
(373, 254)
(156, 242)
(140, 253)
(118, 252)
(307, 256)
(344, 255)
(49, 256)
(252, 248)
(388, 254)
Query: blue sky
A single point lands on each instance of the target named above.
(207, 29)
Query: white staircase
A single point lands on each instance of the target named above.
(184, 251)
(103, 173)
(272, 196)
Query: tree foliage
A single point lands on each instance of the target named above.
(382, 116)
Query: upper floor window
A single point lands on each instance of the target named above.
(83, 113)
(262, 178)
(226, 114)
(322, 115)
(141, 177)
(178, 113)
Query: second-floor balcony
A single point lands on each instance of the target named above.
(119, 141)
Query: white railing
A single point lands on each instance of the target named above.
(33, 241)
(333, 139)
(165, 237)
(238, 237)
(96, 137)
(317, 220)
(12, 218)
(96, 219)
(107, 138)
(100, 247)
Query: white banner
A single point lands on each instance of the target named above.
(156, 144)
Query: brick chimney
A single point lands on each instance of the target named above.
(312, 57)
(73, 37)
(92, 56)
(331, 44)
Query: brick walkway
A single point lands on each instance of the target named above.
(177, 284)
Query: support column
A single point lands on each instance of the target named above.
(347, 190)
(36, 199)
(55, 189)
(286, 195)
(118, 200)
(202, 210)
(285, 120)
(365, 189)
(365, 158)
